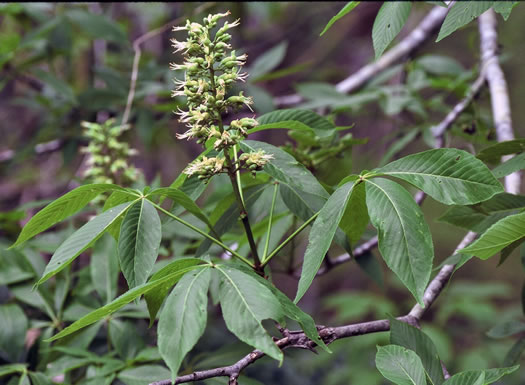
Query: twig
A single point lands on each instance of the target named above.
(409, 44)
(138, 52)
(40, 148)
(498, 89)
(439, 130)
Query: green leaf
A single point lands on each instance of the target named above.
(268, 61)
(498, 236)
(178, 196)
(62, 88)
(414, 339)
(183, 319)
(63, 207)
(400, 365)
(493, 154)
(514, 164)
(245, 303)
(38, 378)
(504, 8)
(139, 242)
(177, 269)
(143, 375)
(81, 240)
(154, 298)
(116, 198)
(507, 328)
(295, 119)
(346, 9)
(448, 175)
(13, 331)
(321, 235)
(471, 377)
(440, 65)
(355, 218)
(513, 355)
(12, 368)
(388, 23)
(405, 242)
(462, 13)
(104, 268)
(124, 338)
(97, 26)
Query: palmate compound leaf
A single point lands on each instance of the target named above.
(245, 303)
(498, 236)
(448, 175)
(169, 275)
(414, 339)
(139, 242)
(81, 240)
(404, 238)
(400, 365)
(321, 235)
(63, 207)
(183, 318)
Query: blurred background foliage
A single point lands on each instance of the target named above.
(61, 64)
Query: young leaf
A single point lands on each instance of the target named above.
(388, 23)
(462, 13)
(81, 240)
(177, 270)
(321, 235)
(346, 9)
(400, 365)
(498, 236)
(139, 242)
(414, 339)
(404, 237)
(183, 319)
(177, 196)
(245, 303)
(448, 175)
(62, 208)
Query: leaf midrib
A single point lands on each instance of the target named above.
(135, 247)
(437, 176)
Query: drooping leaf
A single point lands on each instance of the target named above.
(177, 269)
(514, 164)
(124, 338)
(142, 375)
(155, 297)
(104, 268)
(448, 175)
(11, 368)
(97, 26)
(498, 236)
(507, 328)
(346, 9)
(183, 319)
(355, 218)
(414, 339)
(462, 13)
(513, 355)
(177, 196)
(493, 154)
(388, 23)
(295, 119)
(13, 331)
(321, 235)
(400, 365)
(139, 242)
(268, 61)
(116, 198)
(440, 65)
(245, 303)
(63, 207)
(81, 240)
(405, 242)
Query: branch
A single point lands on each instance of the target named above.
(407, 46)
(498, 89)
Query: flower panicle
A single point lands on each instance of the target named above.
(211, 67)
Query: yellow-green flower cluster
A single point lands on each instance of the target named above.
(108, 157)
(211, 68)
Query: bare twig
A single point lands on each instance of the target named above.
(409, 44)
(138, 52)
(498, 89)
